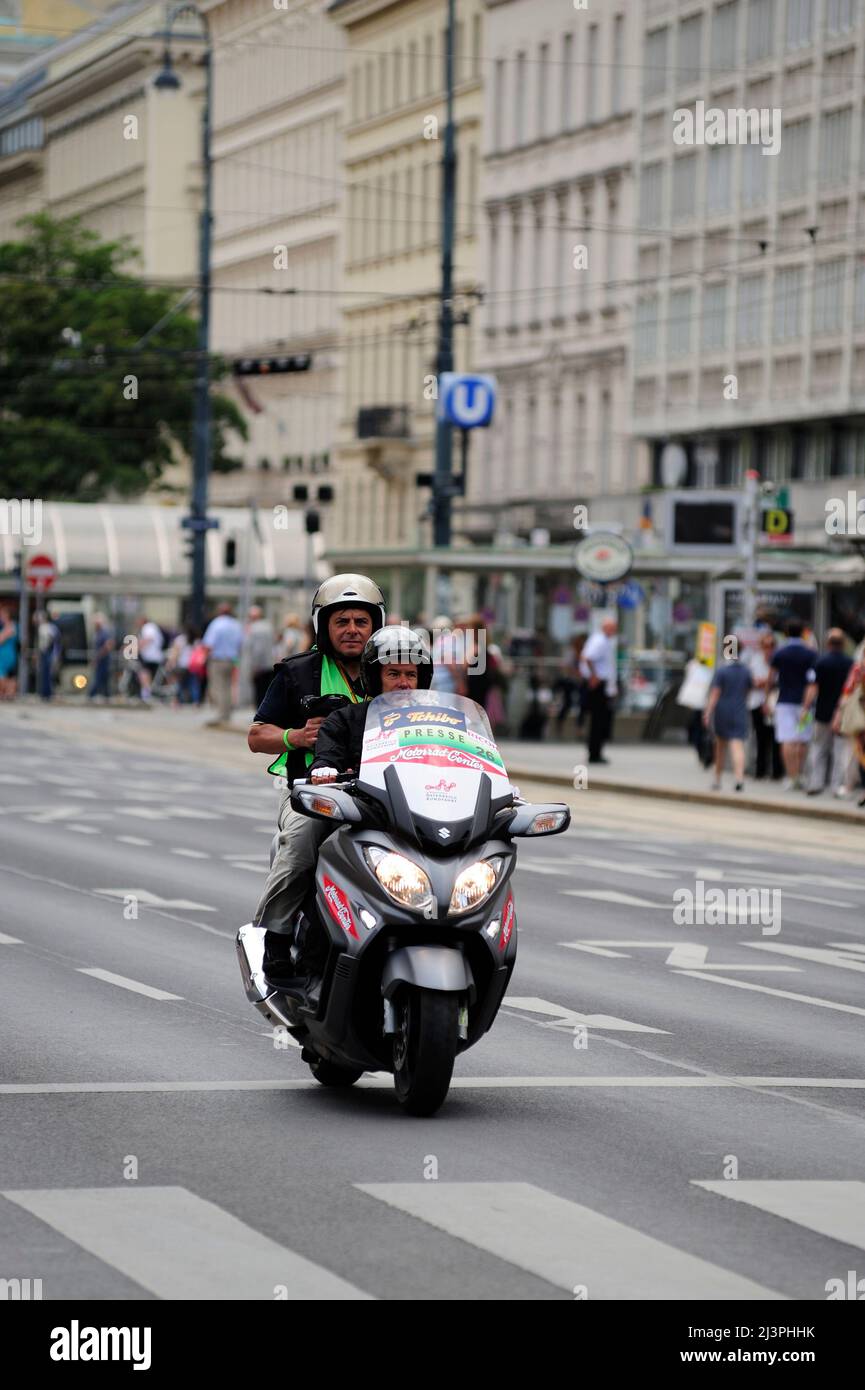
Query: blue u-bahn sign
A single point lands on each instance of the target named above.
(466, 399)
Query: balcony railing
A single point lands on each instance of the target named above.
(383, 422)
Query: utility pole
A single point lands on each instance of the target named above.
(198, 522)
(442, 483)
(749, 592)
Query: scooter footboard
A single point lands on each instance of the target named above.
(428, 967)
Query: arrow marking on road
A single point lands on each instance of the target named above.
(569, 1018)
(682, 953)
(610, 895)
(153, 900)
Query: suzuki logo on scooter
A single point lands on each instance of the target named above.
(338, 906)
(507, 923)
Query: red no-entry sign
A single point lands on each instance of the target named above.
(41, 573)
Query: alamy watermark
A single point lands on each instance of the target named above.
(715, 907)
(22, 517)
(736, 126)
(845, 516)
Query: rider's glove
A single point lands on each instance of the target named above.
(324, 774)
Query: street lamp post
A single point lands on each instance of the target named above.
(198, 522)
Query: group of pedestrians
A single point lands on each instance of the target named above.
(806, 710)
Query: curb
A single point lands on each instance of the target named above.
(739, 803)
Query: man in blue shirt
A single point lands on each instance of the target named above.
(224, 641)
(793, 665)
(829, 752)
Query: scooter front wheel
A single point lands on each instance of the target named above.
(424, 1048)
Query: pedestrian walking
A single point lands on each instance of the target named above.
(849, 720)
(598, 666)
(768, 752)
(8, 654)
(292, 640)
(726, 714)
(49, 648)
(572, 684)
(223, 641)
(793, 668)
(258, 652)
(103, 645)
(151, 653)
(829, 752)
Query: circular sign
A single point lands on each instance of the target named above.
(41, 573)
(603, 557)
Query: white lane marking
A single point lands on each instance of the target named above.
(132, 840)
(812, 953)
(682, 953)
(259, 868)
(122, 980)
(9, 779)
(9, 940)
(674, 1081)
(50, 814)
(190, 813)
(142, 812)
(609, 895)
(191, 853)
(84, 829)
(780, 993)
(152, 900)
(179, 1246)
(563, 1242)
(858, 947)
(618, 867)
(542, 869)
(569, 1018)
(709, 873)
(833, 1208)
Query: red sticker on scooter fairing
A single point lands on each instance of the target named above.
(508, 920)
(338, 906)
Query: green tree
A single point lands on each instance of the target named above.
(83, 412)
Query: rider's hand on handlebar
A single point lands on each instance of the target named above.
(324, 774)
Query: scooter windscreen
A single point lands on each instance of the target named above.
(440, 744)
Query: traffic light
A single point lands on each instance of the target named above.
(301, 492)
(325, 493)
(312, 523)
(271, 366)
(230, 553)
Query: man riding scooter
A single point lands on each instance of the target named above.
(346, 610)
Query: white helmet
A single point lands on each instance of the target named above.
(345, 591)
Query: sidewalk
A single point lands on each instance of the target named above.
(663, 770)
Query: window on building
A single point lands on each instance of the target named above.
(646, 324)
(756, 169)
(787, 305)
(760, 29)
(520, 99)
(397, 76)
(714, 317)
(355, 91)
(567, 80)
(543, 78)
(408, 210)
(618, 65)
(800, 23)
(655, 63)
(679, 314)
(460, 66)
(722, 51)
(477, 40)
(605, 441)
(383, 83)
(794, 159)
(719, 166)
(428, 76)
(684, 185)
(591, 73)
(498, 104)
(835, 127)
(370, 88)
(411, 76)
(651, 195)
(859, 295)
(828, 296)
(688, 67)
(841, 16)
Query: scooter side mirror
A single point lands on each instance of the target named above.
(550, 818)
(325, 802)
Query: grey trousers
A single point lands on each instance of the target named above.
(828, 757)
(219, 675)
(290, 877)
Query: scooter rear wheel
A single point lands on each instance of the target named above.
(424, 1048)
(329, 1074)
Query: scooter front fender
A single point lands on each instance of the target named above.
(427, 967)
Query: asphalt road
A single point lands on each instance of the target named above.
(660, 1111)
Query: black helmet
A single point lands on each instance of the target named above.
(345, 591)
(400, 646)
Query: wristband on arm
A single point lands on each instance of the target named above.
(286, 740)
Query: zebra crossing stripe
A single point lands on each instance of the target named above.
(179, 1246)
(566, 1244)
(831, 1208)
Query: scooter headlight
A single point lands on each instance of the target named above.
(476, 883)
(401, 879)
